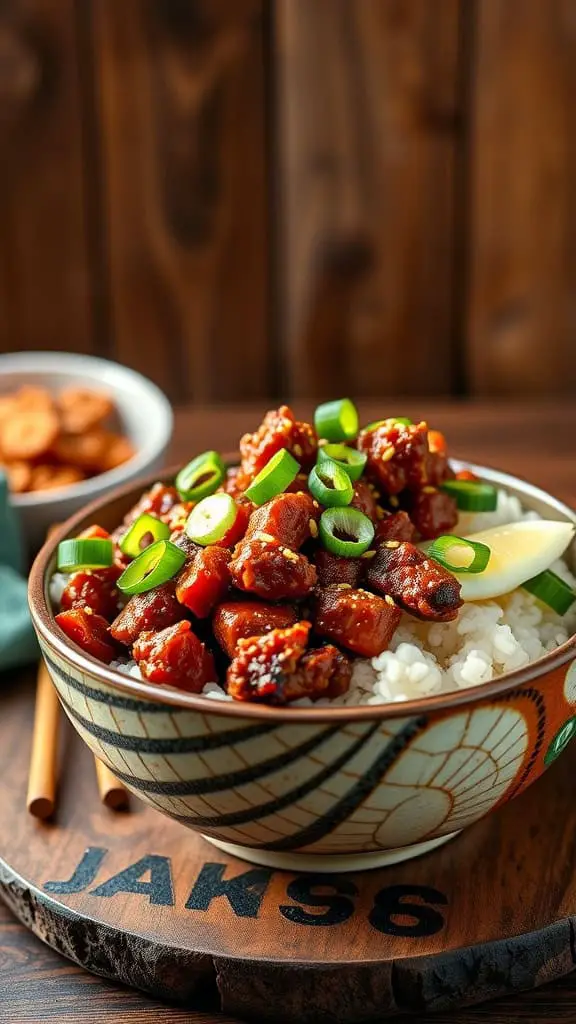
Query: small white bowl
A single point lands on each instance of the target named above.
(144, 413)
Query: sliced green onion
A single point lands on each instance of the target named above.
(200, 477)
(156, 565)
(210, 520)
(276, 476)
(143, 532)
(551, 590)
(336, 421)
(349, 459)
(346, 531)
(472, 495)
(84, 553)
(458, 554)
(330, 484)
(403, 420)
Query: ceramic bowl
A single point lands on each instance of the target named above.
(145, 416)
(315, 788)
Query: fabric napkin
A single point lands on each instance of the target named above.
(18, 644)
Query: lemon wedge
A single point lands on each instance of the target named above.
(518, 552)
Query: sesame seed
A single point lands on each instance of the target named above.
(297, 449)
(392, 544)
(429, 490)
(260, 535)
(290, 555)
(287, 424)
(388, 454)
(394, 501)
(388, 599)
(379, 512)
(368, 554)
(340, 586)
(313, 527)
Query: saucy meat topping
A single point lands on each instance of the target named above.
(154, 609)
(290, 518)
(174, 656)
(264, 566)
(90, 631)
(204, 581)
(95, 590)
(417, 583)
(363, 622)
(277, 668)
(279, 429)
(279, 590)
(238, 620)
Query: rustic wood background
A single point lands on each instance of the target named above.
(246, 198)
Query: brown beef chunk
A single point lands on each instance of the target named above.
(433, 512)
(95, 589)
(289, 518)
(416, 583)
(204, 580)
(276, 668)
(237, 620)
(356, 619)
(365, 498)
(397, 455)
(394, 526)
(262, 565)
(153, 610)
(90, 631)
(334, 569)
(279, 429)
(176, 657)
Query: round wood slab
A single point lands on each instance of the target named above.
(140, 899)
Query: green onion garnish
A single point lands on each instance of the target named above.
(211, 519)
(200, 477)
(350, 460)
(143, 532)
(336, 421)
(276, 476)
(84, 553)
(156, 565)
(346, 531)
(403, 420)
(458, 554)
(472, 495)
(551, 590)
(330, 484)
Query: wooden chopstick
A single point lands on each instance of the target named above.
(42, 779)
(112, 792)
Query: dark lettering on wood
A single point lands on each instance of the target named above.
(390, 904)
(244, 892)
(159, 888)
(83, 875)
(338, 907)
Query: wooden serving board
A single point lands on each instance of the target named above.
(140, 899)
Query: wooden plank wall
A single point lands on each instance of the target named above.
(247, 198)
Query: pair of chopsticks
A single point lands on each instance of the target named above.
(43, 774)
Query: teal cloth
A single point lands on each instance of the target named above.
(18, 644)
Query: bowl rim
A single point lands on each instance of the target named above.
(36, 363)
(43, 620)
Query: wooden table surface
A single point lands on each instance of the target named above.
(532, 440)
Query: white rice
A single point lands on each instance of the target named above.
(487, 639)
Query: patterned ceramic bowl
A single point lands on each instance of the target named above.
(315, 788)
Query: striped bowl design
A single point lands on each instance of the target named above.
(325, 782)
